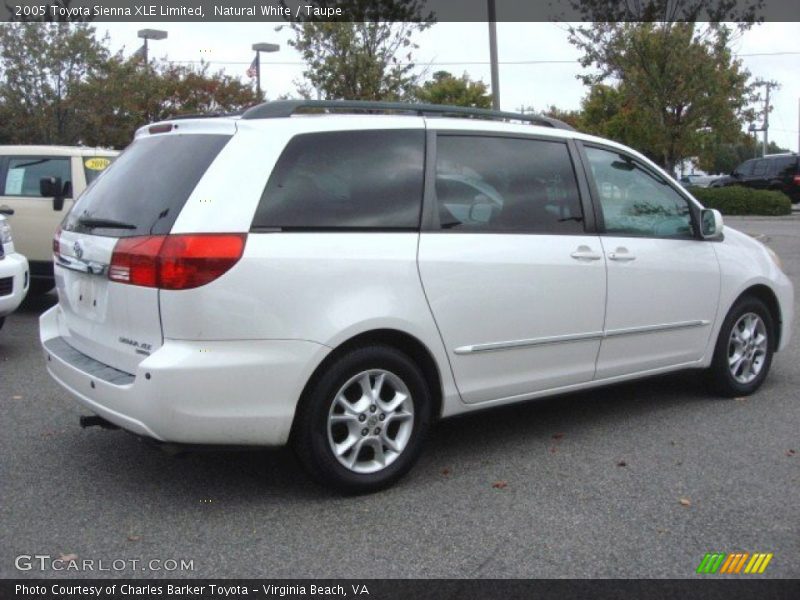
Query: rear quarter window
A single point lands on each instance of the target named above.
(147, 186)
(346, 180)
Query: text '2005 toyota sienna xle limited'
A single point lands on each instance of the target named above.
(338, 281)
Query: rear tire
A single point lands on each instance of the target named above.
(743, 354)
(360, 427)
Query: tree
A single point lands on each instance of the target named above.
(675, 86)
(123, 96)
(366, 58)
(61, 86)
(446, 88)
(743, 12)
(42, 64)
(726, 157)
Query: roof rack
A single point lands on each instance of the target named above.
(287, 108)
(208, 115)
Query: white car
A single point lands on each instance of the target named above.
(14, 275)
(282, 277)
(37, 188)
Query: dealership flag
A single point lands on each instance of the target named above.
(252, 70)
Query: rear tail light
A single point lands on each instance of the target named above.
(175, 262)
(797, 179)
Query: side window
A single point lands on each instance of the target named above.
(745, 169)
(760, 168)
(25, 172)
(635, 200)
(509, 185)
(784, 166)
(346, 179)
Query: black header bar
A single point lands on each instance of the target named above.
(440, 10)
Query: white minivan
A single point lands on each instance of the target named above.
(339, 281)
(37, 188)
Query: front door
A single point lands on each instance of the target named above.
(663, 280)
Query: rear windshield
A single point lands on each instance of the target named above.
(145, 189)
(94, 165)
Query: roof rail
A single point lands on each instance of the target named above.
(286, 108)
(208, 115)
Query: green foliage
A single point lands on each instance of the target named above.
(60, 86)
(743, 12)
(724, 158)
(446, 88)
(739, 200)
(42, 64)
(670, 89)
(368, 58)
(124, 96)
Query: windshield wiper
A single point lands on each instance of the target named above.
(92, 223)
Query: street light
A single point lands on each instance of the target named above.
(150, 34)
(259, 48)
(492, 18)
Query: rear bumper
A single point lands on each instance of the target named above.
(16, 266)
(189, 392)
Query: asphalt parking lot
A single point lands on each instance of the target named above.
(637, 480)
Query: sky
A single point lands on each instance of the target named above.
(538, 65)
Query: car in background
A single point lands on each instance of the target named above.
(693, 180)
(14, 275)
(779, 172)
(38, 185)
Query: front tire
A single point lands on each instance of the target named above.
(743, 354)
(361, 425)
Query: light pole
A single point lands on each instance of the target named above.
(259, 48)
(150, 34)
(493, 56)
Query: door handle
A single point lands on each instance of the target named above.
(621, 255)
(585, 253)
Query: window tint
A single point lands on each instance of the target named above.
(25, 172)
(636, 201)
(746, 168)
(785, 165)
(346, 179)
(495, 184)
(147, 185)
(760, 168)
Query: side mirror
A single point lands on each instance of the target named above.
(711, 224)
(52, 186)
